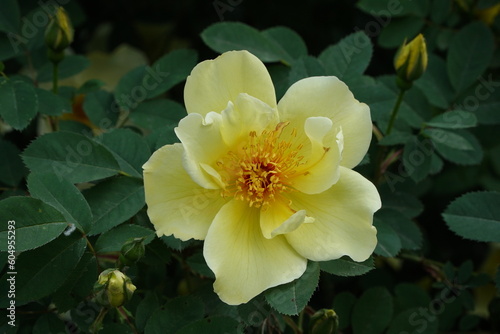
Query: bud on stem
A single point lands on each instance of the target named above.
(410, 62)
(113, 288)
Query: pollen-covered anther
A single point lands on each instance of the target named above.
(261, 169)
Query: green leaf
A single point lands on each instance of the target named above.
(158, 113)
(487, 110)
(343, 305)
(146, 309)
(90, 86)
(348, 58)
(409, 296)
(435, 83)
(211, 325)
(469, 55)
(228, 36)
(475, 216)
(291, 45)
(395, 138)
(36, 223)
(347, 267)
(436, 164)
(372, 312)
(388, 242)
(198, 264)
(405, 203)
(52, 104)
(291, 298)
(419, 324)
(399, 29)
(388, 9)
(406, 229)
(113, 240)
(40, 272)
(448, 138)
(101, 109)
(279, 74)
(417, 158)
(130, 90)
(12, 169)
(19, 103)
(113, 201)
(176, 244)
(168, 71)
(129, 149)
(62, 195)
(10, 16)
(305, 67)
(174, 315)
(462, 157)
(454, 119)
(70, 155)
(69, 66)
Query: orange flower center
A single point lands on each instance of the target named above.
(261, 168)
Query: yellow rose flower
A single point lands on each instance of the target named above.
(267, 186)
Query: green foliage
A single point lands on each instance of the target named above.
(71, 177)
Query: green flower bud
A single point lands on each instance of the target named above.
(59, 32)
(113, 288)
(324, 322)
(132, 251)
(410, 61)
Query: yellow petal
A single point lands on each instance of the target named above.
(246, 114)
(176, 204)
(330, 97)
(279, 218)
(244, 262)
(343, 217)
(203, 145)
(213, 83)
(321, 168)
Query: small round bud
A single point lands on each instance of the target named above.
(59, 32)
(410, 61)
(132, 251)
(113, 288)
(324, 321)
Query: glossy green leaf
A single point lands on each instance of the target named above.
(291, 45)
(174, 315)
(211, 325)
(395, 138)
(198, 264)
(486, 109)
(348, 58)
(158, 113)
(461, 157)
(129, 149)
(398, 29)
(101, 109)
(168, 71)
(409, 233)
(70, 155)
(291, 298)
(69, 66)
(12, 169)
(19, 103)
(145, 309)
(469, 55)
(113, 201)
(62, 195)
(347, 267)
(448, 138)
(227, 36)
(305, 67)
(35, 222)
(475, 216)
(52, 104)
(43, 270)
(130, 90)
(454, 119)
(372, 312)
(435, 83)
(388, 241)
(385, 10)
(113, 240)
(417, 158)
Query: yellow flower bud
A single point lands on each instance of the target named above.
(59, 32)
(113, 288)
(324, 322)
(410, 61)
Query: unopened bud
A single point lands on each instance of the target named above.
(410, 61)
(113, 288)
(324, 322)
(59, 32)
(132, 251)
